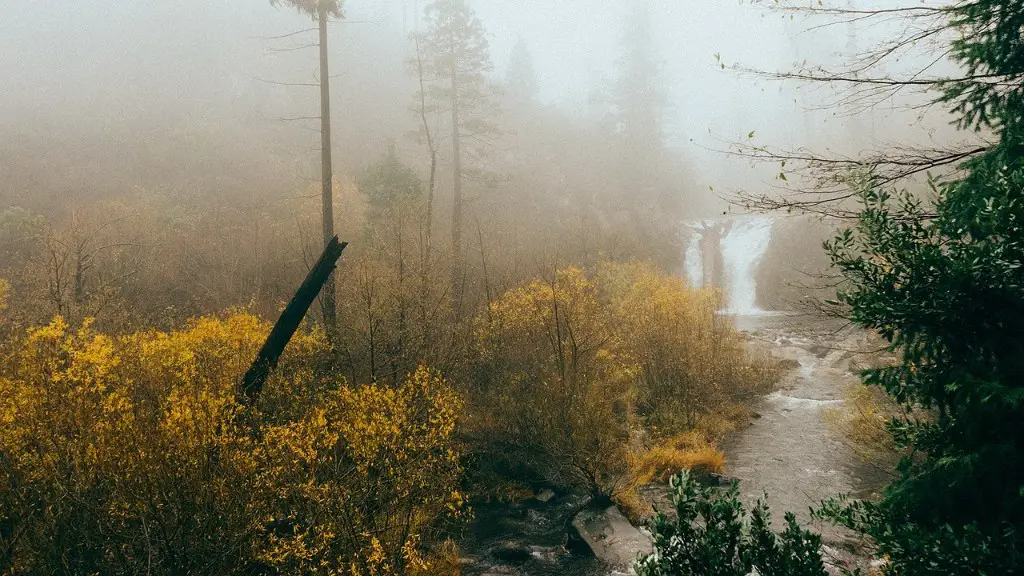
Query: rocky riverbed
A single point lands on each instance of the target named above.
(788, 451)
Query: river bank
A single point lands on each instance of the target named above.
(787, 450)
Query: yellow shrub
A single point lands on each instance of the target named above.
(360, 479)
(553, 392)
(569, 366)
(131, 455)
(691, 362)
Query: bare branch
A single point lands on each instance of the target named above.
(283, 36)
(315, 84)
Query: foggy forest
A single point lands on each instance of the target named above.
(481, 287)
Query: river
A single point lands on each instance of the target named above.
(787, 450)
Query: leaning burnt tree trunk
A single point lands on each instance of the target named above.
(284, 329)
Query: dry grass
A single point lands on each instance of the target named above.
(728, 418)
(692, 451)
(861, 421)
(687, 451)
(445, 561)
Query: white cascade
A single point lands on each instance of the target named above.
(693, 260)
(743, 246)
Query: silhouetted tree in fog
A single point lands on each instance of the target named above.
(521, 77)
(646, 190)
(455, 64)
(900, 72)
(638, 101)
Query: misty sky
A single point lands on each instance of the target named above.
(97, 60)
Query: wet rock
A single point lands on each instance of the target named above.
(545, 495)
(547, 553)
(511, 553)
(611, 537)
(498, 571)
(788, 364)
(819, 351)
(712, 479)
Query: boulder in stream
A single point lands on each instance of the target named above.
(611, 536)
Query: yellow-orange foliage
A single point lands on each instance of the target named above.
(691, 362)
(554, 391)
(569, 367)
(686, 451)
(130, 455)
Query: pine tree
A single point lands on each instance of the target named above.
(638, 99)
(645, 190)
(521, 77)
(943, 282)
(456, 63)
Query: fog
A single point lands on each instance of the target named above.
(95, 68)
(199, 107)
(540, 257)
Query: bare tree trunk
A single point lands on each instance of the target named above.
(326, 168)
(430, 202)
(456, 192)
(483, 263)
(428, 242)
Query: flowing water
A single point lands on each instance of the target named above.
(742, 250)
(527, 538)
(693, 261)
(788, 450)
(737, 244)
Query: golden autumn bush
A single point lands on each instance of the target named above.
(131, 455)
(569, 368)
(552, 391)
(691, 362)
(862, 420)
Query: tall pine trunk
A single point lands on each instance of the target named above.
(456, 193)
(326, 168)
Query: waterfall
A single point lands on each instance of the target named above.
(742, 248)
(693, 262)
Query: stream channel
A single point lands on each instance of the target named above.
(787, 450)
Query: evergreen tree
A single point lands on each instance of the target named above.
(943, 282)
(638, 100)
(647, 186)
(521, 77)
(391, 188)
(456, 62)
